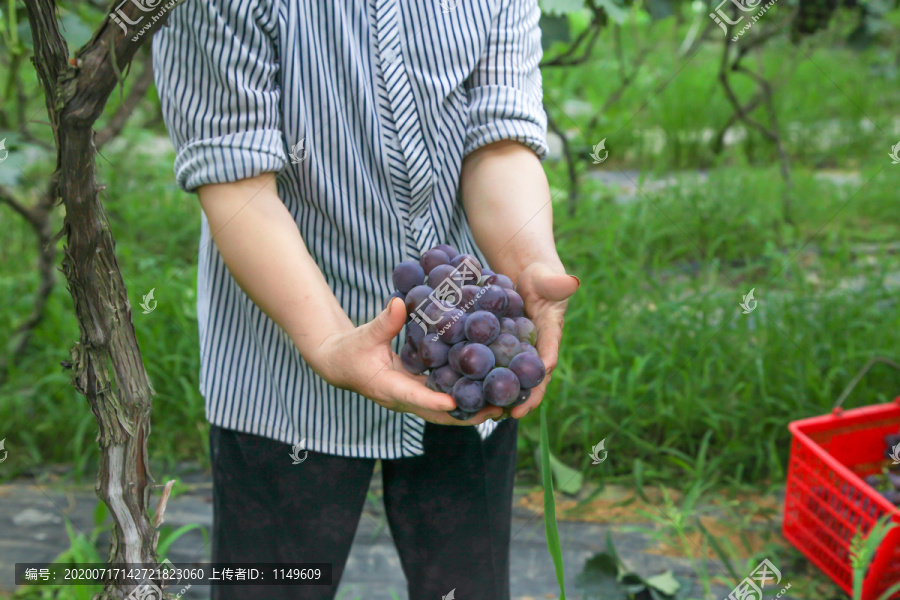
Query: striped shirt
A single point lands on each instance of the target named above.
(364, 109)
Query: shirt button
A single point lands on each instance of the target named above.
(418, 223)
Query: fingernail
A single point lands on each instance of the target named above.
(577, 281)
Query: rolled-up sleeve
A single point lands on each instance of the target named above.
(505, 91)
(215, 68)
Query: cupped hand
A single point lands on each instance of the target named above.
(361, 360)
(546, 293)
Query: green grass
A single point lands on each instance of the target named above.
(657, 352)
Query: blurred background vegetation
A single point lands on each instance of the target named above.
(761, 163)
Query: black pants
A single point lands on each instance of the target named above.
(449, 511)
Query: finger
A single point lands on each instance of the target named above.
(537, 395)
(395, 386)
(549, 327)
(387, 325)
(555, 286)
(442, 418)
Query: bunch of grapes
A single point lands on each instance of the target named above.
(466, 328)
(887, 483)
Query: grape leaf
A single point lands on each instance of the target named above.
(554, 29)
(599, 579)
(615, 11)
(660, 9)
(565, 478)
(664, 582)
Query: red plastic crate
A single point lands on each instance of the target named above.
(826, 500)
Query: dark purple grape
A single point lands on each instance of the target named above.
(525, 347)
(432, 258)
(468, 395)
(433, 313)
(445, 378)
(414, 335)
(408, 275)
(485, 273)
(525, 330)
(451, 328)
(432, 385)
(516, 304)
(462, 415)
(439, 274)
(450, 251)
(467, 269)
(410, 359)
(415, 297)
(433, 353)
(895, 480)
(475, 361)
(453, 356)
(501, 387)
(494, 300)
(892, 496)
(507, 325)
(500, 280)
(524, 395)
(482, 327)
(505, 347)
(459, 258)
(467, 302)
(529, 368)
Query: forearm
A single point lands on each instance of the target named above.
(507, 200)
(264, 252)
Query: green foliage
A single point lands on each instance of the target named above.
(85, 549)
(862, 552)
(553, 545)
(656, 352)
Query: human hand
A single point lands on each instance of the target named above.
(546, 293)
(361, 360)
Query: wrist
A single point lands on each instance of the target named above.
(317, 347)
